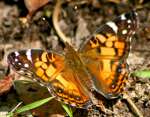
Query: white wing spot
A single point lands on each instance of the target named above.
(129, 21)
(16, 60)
(113, 26)
(123, 17)
(28, 54)
(16, 53)
(26, 65)
(124, 32)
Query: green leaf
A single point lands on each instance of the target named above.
(9, 115)
(142, 73)
(33, 105)
(67, 109)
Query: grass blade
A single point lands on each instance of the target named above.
(142, 73)
(67, 109)
(33, 105)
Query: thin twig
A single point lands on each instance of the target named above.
(132, 105)
(55, 17)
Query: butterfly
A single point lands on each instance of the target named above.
(99, 65)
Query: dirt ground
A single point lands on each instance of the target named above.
(78, 20)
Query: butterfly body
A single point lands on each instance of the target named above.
(99, 65)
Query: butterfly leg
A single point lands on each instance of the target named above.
(101, 106)
(98, 104)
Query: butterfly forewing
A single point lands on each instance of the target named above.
(54, 72)
(104, 54)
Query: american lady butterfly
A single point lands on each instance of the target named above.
(98, 66)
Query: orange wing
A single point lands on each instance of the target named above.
(104, 54)
(62, 75)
